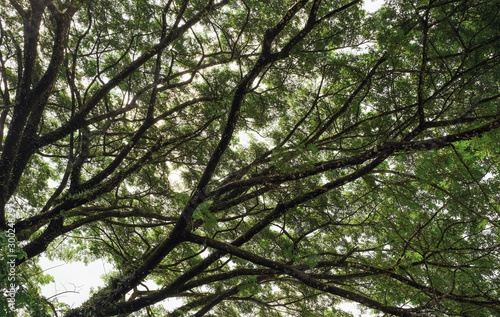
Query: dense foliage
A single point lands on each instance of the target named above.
(258, 158)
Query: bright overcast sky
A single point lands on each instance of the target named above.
(372, 5)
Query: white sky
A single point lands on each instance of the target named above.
(73, 281)
(372, 5)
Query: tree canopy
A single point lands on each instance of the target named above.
(253, 158)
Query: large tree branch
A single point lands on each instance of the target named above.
(302, 276)
(78, 120)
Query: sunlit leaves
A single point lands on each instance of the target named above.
(337, 181)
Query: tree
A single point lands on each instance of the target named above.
(270, 158)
